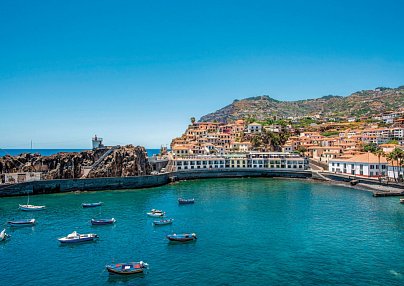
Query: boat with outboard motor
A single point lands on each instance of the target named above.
(22, 222)
(163, 221)
(75, 237)
(127, 268)
(184, 237)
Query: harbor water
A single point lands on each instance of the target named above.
(251, 231)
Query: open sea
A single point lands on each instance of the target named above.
(251, 231)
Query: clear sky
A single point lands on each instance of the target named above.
(136, 71)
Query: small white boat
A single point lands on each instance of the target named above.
(22, 222)
(156, 213)
(3, 235)
(31, 208)
(75, 237)
(402, 201)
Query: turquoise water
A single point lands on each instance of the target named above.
(250, 232)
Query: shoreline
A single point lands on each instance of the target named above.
(150, 181)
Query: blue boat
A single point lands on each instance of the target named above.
(91, 205)
(127, 268)
(163, 221)
(184, 237)
(182, 201)
(103, 221)
(75, 237)
(22, 222)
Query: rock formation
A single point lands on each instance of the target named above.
(122, 162)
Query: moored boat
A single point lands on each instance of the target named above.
(75, 237)
(127, 268)
(184, 237)
(103, 221)
(402, 201)
(31, 208)
(156, 213)
(163, 221)
(91, 205)
(182, 201)
(3, 235)
(22, 222)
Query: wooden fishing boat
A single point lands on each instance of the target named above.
(156, 213)
(103, 221)
(91, 205)
(163, 221)
(127, 268)
(184, 237)
(75, 237)
(182, 201)
(3, 235)
(22, 222)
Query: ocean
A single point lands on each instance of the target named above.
(48, 152)
(251, 231)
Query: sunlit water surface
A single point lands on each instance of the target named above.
(250, 232)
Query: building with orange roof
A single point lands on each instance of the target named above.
(362, 165)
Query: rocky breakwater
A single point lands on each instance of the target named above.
(121, 162)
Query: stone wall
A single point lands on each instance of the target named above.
(95, 184)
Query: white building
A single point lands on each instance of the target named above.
(11, 178)
(261, 160)
(254, 127)
(365, 165)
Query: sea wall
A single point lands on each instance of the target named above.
(94, 184)
(98, 184)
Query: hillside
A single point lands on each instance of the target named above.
(361, 103)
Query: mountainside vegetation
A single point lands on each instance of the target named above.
(363, 103)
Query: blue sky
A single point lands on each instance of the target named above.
(136, 71)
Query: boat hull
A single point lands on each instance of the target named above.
(78, 239)
(126, 269)
(163, 222)
(21, 223)
(91, 205)
(155, 214)
(186, 202)
(103, 221)
(182, 237)
(31, 208)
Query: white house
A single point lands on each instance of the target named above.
(254, 127)
(365, 165)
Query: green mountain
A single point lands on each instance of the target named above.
(361, 103)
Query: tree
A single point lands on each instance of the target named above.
(192, 120)
(379, 153)
(371, 147)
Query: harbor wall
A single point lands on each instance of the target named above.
(99, 184)
(95, 184)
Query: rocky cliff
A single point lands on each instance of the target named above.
(122, 162)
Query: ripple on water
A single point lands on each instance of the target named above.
(250, 231)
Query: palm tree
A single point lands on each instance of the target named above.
(192, 120)
(391, 157)
(379, 153)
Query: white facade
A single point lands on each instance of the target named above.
(254, 128)
(11, 178)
